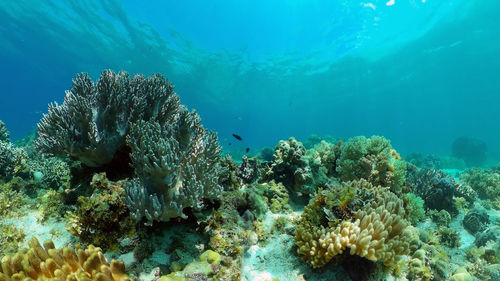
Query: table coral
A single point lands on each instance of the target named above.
(371, 225)
(49, 263)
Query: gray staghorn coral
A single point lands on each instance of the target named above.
(92, 123)
(177, 164)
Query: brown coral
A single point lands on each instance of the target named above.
(50, 264)
(376, 231)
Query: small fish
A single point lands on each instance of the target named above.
(237, 137)
(229, 144)
(248, 149)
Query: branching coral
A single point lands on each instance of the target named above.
(300, 170)
(94, 119)
(288, 165)
(177, 163)
(372, 228)
(10, 239)
(53, 172)
(12, 160)
(485, 183)
(4, 134)
(49, 263)
(414, 206)
(436, 188)
(372, 159)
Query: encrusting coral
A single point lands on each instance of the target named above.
(48, 263)
(356, 216)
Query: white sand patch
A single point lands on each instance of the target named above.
(50, 229)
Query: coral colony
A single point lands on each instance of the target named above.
(129, 185)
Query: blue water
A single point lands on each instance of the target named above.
(421, 73)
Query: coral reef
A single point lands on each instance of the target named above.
(485, 183)
(49, 263)
(289, 167)
(435, 187)
(303, 171)
(248, 170)
(208, 265)
(10, 201)
(414, 206)
(4, 133)
(449, 237)
(367, 220)
(49, 172)
(476, 221)
(93, 121)
(103, 218)
(177, 166)
(441, 218)
(12, 160)
(372, 159)
(424, 160)
(10, 239)
(125, 150)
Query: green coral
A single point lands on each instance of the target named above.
(372, 159)
(50, 205)
(11, 201)
(275, 195)
(4, 134)
(353, 215)
(10, 239)
(12, 160)
(441, 218)
(414, 206)
(289, 167)
(485, 183)
(197, 270)
(449, 237)
(102, 218)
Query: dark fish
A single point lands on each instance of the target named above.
(248, 149)
(237, 137)
(229, 144)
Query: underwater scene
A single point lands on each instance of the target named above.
(297, 140)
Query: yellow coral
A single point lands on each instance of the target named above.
(50, 264)
(376, 232)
